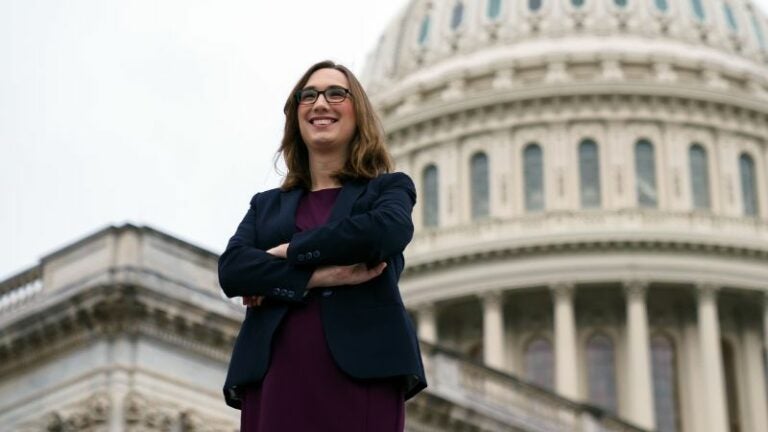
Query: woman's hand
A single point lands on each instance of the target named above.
(280, 251)
(252, 301)
(344, 275)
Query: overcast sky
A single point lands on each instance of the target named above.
(161, 113)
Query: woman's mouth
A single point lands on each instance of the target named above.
(322, 121)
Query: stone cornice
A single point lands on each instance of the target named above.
(113, 230)
(603, 246)
(484, 111)
(108, 310)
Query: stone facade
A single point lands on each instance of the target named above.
(645, 255)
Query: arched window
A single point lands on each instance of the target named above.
(665, 393)
(424, 30)
(699, 176)
(731, 385)
(698, 9)
(494, 9)
(457, 15)
(577, 3)
(589, 174)
(748, 184)
(533, 175)
(534, 5)
(540, 363)
(601, 368)
(620, 3)
(758, 29)
(429, 180)
(480, 185)
(661, 5)
(645, 171)
(730, 18)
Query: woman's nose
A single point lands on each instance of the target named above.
(320, 102)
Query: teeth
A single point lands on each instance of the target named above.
(322, 122)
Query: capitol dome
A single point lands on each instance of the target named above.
(592, 210)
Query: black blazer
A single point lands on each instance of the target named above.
(368, 331)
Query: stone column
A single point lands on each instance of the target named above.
(715, 411)
(493, 330)
(640, 395)
(765, 322)
(756, 397)
(566, 373)
(427, 323)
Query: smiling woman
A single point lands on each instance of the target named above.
(343, 357)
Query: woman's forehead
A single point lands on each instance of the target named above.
(323, 78)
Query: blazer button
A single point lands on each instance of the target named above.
(316, 254)
(327, 293)
(300, 257)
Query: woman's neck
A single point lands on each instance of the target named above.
(322, 168)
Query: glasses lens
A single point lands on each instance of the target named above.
(307, 96)
(336, 94)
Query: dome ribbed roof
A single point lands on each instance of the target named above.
(432, 37)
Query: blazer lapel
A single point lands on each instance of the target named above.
(286, 223)
(351, 189)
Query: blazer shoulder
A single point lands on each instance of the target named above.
(395, 179)
(269, 195)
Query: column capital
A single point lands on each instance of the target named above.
(707, 291)
(424, 307)
(562, 290)
(491, 296)
(635, 288)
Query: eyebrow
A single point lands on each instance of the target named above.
(330, 86)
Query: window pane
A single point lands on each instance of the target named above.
(601, 367)
(534, 5)
(748, 189)
(758, 30)
(457, 15)
(577, 3)
(620, 3)
(533, 174)
(424, 30)
(494, 8)
(645, 170)
(429, 180)
(699, 176)
(540, 363)
(589, 174)
(730, 18)
(664, 364)
(480, 190)
(661, 5)
(698, 9)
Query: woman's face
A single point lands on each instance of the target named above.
(327, 127)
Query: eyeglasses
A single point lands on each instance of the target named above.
(333, 95)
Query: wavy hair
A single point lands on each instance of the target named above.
(368, 156)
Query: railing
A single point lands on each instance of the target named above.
(21, 288)
(507, 399)
(561, 225)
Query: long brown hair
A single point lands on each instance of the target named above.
(368, 156)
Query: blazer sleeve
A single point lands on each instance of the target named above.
(370, 237)
(245, 270)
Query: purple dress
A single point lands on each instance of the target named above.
(303, 389)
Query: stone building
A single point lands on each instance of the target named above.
(127, 330)
(593, 183)
(591, 249)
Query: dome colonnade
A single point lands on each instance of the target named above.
(593, 196)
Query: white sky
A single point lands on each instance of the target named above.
(161, 113)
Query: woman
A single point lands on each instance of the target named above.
(326, 344)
